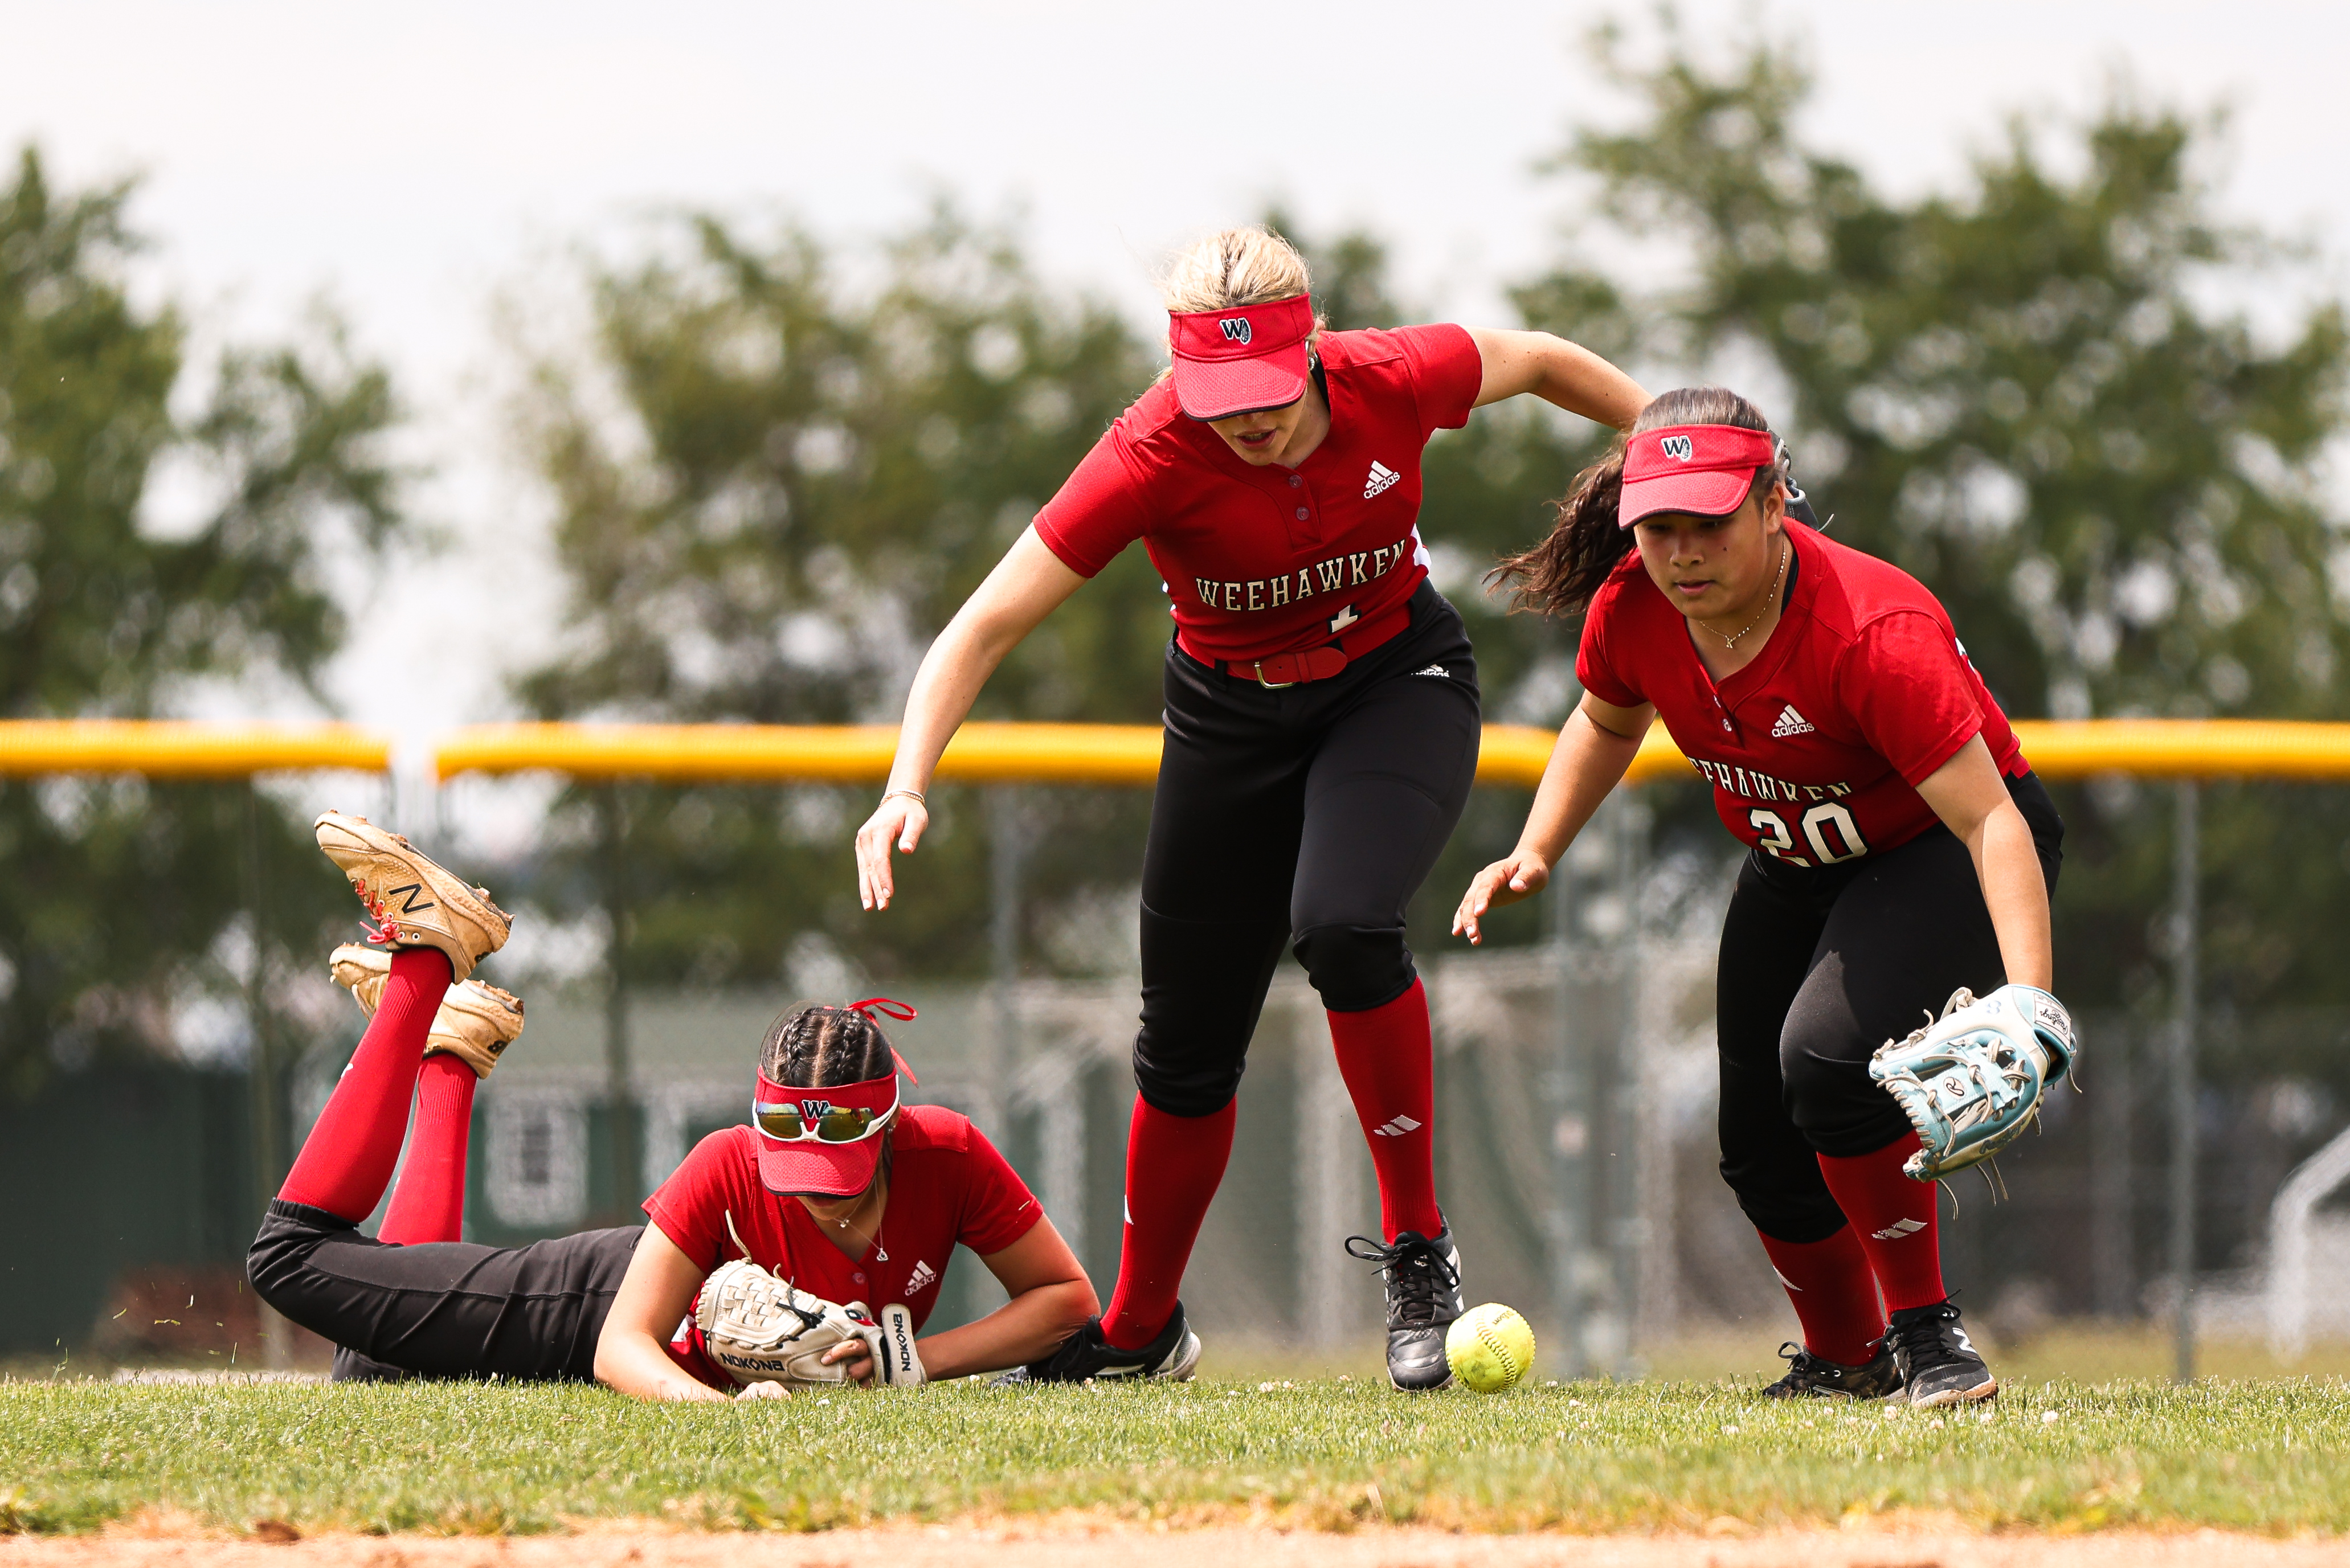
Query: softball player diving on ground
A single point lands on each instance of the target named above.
(764, 1248)
(1321, 712)
(1899, 848)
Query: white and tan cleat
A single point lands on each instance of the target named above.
(475, 1025)
(361, 972)
(476, 1022)
(415, 903)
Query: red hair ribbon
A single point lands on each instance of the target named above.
(902, 1011)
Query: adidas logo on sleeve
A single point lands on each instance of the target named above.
(1790, 723)
(1382, 476)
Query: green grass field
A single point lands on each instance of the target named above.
(2268, 1457)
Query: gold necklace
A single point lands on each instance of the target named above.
(880, 1253)
(1733, 641)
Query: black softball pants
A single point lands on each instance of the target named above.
(1307, 815)
(1820, 965)
(440, 1309)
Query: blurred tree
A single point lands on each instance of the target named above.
(2024, 393)
(122, 910)
(806, 480)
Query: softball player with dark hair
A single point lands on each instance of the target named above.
(851, 1196)
(1321, 735)
(1899, 848)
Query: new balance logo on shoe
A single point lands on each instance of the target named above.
(1436, 670)
(1396, 1128)
(1899, 1229)
(920, 1278)
(408, 897)
(1382, 476)
(1790, 723)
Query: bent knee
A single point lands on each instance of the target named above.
(1193, 1084)
(280, 1254)
(1840, 1108)
(1356, 968)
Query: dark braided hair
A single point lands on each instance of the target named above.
(1559, 575)
(815, 1046)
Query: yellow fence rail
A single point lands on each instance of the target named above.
(1513, 755)
(170, 748)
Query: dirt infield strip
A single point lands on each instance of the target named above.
(1084, 1544)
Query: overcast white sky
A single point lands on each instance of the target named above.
(408, 161)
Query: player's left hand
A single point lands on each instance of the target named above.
(1521, 876)
(899, 819)
(854, 1358)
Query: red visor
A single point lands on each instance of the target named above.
(1241, 360)
(811, 1166)
(1704, 471)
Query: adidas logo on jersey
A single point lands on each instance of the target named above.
(1790, 723)
(920, 1278)
(1436, 670)
(1899, 1231)
(1396, 1128)
(1382, 476)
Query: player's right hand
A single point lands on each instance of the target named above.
(899, 819)
(1521, 876)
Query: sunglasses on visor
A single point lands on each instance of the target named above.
(819, 1121)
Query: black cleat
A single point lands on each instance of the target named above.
(1817, 1377)
(1423, 1285)
(1085, 1356)
(1938, 1361)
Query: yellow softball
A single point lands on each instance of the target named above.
(1490, 1347)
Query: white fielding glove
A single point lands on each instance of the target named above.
(761, 1330)
(896, 1363)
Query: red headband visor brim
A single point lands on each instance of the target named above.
(1699, 471)
(1242, 360)
(810, 1165)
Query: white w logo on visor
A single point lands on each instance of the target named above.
(816, 1110)
(1235, 328)
(1679, 448)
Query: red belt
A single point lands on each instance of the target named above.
(1321, 663)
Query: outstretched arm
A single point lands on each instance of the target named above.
(1594, 749)
(1556, 371)
(653, 1296)
(1971, 799)
(1051, 1299)
(1026, 586)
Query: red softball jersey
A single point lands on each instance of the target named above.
(1816, 748)
(947, 1185)
(1263, 561)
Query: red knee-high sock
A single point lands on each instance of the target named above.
(1389, 1059)
(1894, 1219)
(1834, 1294)
(1174, 1165)
(348, 1156)
(429, 1204)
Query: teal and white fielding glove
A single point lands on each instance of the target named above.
(1971, 1081)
